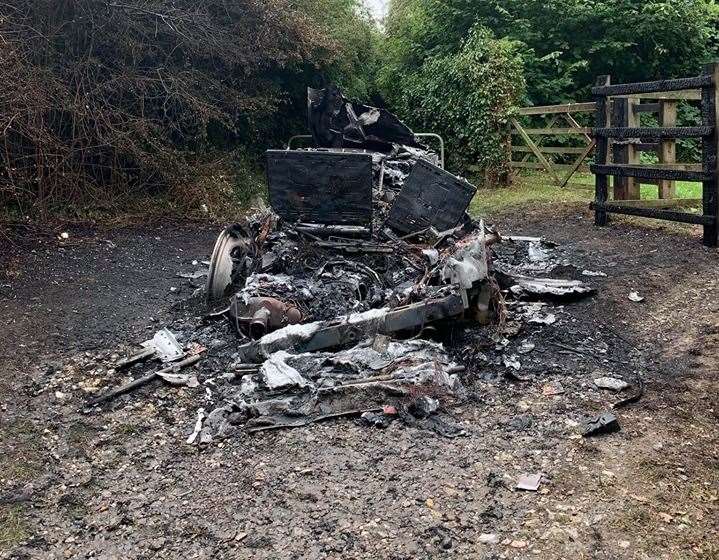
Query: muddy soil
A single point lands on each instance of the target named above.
(123, 484)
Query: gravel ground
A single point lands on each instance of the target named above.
(123, 484)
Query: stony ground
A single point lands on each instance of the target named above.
(123, 483)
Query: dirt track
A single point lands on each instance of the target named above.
(123, 484)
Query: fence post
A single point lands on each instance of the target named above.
(601, 153)
(710, 145)
(668, 147)
(625, 188)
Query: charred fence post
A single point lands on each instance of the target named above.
(622, 111)
(710, 145)
(601, 152)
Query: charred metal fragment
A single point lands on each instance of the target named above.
(431, 197)
(231, 262)
(312, 337)
(336, 122)
(258, 316)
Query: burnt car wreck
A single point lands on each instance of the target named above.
(344, 295)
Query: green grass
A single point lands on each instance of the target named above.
(13, 527)
(685, 189)
(536, 188)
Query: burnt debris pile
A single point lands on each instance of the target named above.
(341, 299)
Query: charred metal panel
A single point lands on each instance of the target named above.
(430, 197)
(321, 187)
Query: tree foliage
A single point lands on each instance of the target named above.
(104, 101)
(567, 43)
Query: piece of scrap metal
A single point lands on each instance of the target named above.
(605, 423)
(311, 337)
(165, 346)
(430, 197)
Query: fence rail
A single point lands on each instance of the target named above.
(617, 127)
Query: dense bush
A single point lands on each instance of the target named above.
(466, 96)
(104, 102)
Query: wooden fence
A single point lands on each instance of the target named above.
(618, 127)
(557, 115)
(625, 112)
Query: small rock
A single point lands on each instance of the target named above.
(552, 389)
(156, 544)
(635, 297)
(526, 347)
(611, 383)
(521, 422)
(529, 482)
(518, 544)
(488, 538)
(423, 407)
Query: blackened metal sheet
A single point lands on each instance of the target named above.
(430, 197)
(321, 187)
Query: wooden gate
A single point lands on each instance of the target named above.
(558, 122)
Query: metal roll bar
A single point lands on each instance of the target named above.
(420, 134)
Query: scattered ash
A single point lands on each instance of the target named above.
(378, 379)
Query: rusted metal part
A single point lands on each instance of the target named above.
(353, 328)
(260, 315)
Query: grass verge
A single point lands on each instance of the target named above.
(536, 189)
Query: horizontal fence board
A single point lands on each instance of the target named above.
(537, 165)
(553, 109)
(655, 132)
(646, 107)
(651, 172)
(663, 202)
(646, 146)
(659, 86)
(556, 131)
(551, 149)
(656, 213)
(687, 95)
